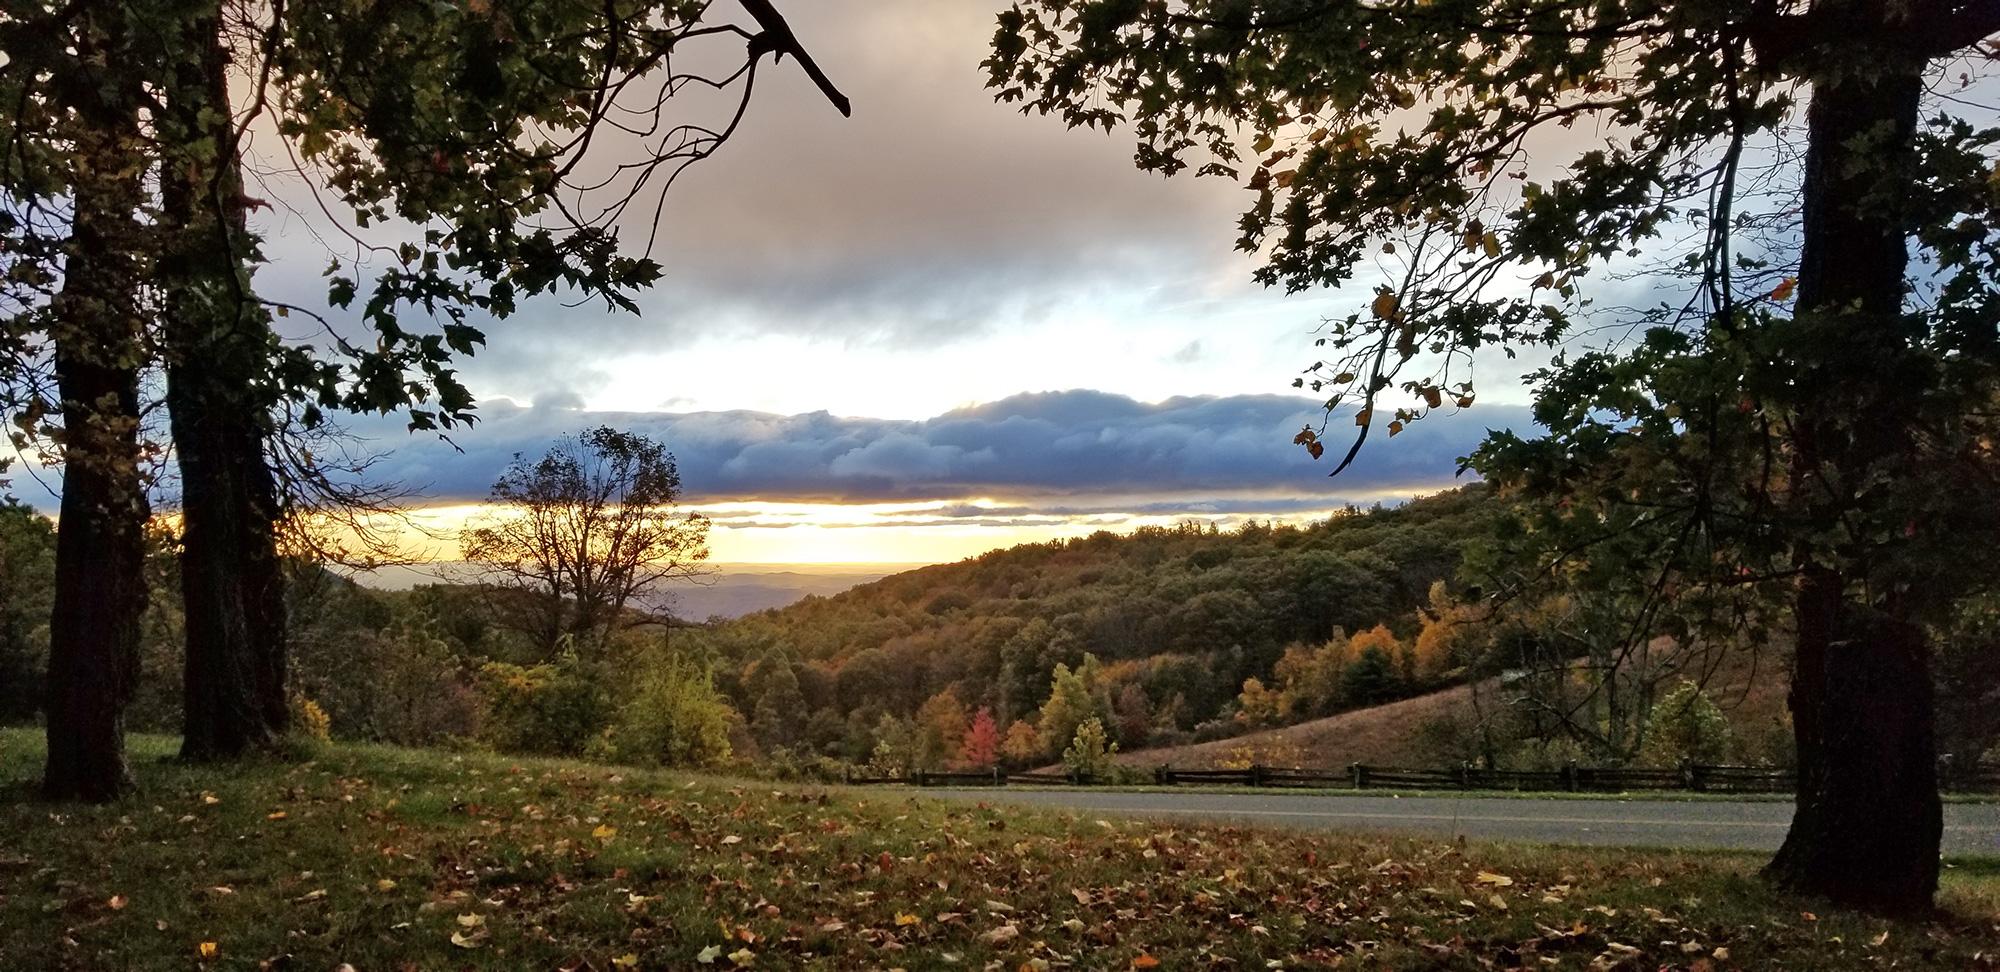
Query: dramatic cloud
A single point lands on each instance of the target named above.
(1069, 454)
(932, 218)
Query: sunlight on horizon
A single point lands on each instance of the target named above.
(833, 534)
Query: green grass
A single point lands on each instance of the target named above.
(378, 857)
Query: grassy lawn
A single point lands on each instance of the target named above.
(391, 859)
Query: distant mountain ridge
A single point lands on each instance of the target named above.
(730, 591)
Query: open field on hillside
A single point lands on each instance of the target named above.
(1383, 734)
(1750, 691)
(388, 859)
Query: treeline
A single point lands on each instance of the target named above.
(1163, 635)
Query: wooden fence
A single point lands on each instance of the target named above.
(1694, 778)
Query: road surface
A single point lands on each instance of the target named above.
(1969, 828)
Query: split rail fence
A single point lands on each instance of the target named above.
(1692, 778)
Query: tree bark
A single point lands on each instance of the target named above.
(98, 332)
(1868, 820)
(218, 346)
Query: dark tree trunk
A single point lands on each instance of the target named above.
(1868, 818)
(100, 546)
(218, 351)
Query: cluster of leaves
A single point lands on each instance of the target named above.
(1404, 131)
(379, 858)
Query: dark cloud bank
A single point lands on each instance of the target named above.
(1070, 453)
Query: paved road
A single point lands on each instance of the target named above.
(1969, 828)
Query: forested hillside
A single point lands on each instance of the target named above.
(1156, 632)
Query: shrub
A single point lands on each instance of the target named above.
(308, 719)
(1090, 751)
(675, 718)
(552, 710)
(420, 695)
(1686, 726)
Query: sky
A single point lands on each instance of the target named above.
(912, 335)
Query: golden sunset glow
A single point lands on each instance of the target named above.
(838, 533)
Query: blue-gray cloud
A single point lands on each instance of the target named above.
(1072, 453)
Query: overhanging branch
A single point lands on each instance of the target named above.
(777, 36)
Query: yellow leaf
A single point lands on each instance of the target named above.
(626, 961)
(905, 919)
(743, 958)
(471, 921)
(276, 815)
(207, 950)
(604, 832)
(462, 940)
(1497, 880)
(385, 885)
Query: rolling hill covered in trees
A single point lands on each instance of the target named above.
(1158, 631)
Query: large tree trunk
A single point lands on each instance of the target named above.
(100, 545)
(1868, 819)
(218, 352)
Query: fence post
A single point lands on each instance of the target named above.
(1692, 774)
(1465, 776)
(1945, 782)
(1162, 776)
(1569, 775)
(845, 777)
(998, 780)
(919, 777)
(1360, 775)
